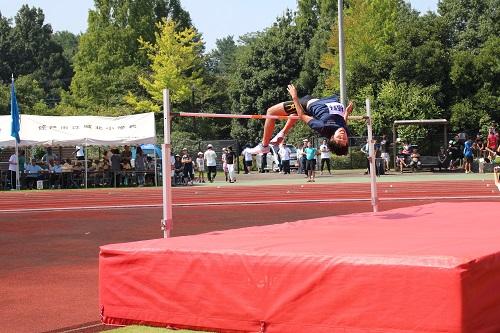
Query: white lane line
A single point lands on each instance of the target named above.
(246, 203)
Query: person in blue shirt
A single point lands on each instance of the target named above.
(311, 154)
(327, 116)
(468, 156)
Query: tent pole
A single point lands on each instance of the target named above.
(18, 183)
(86, 166)
(156, 169)
(166, 222)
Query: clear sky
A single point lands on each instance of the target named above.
(213, 18)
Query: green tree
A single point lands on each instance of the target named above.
(28, 49)
(397, 101)
(69, 43)
(264, 67)
(315, 19)
(470, 22)
(370, 29)
(175, 61)
(109, 60)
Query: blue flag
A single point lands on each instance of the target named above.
(14, 112)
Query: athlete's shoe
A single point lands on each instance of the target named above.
(259, 149)
(278, 138)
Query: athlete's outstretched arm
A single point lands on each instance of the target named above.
(295, 98)
(348, 111)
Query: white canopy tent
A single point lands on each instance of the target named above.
(80, 130)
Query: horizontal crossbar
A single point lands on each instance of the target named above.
(244, 116)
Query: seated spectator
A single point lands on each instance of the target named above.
(415, 160)
(126, 168)
(442, 158)
(67, 173)
(33, 171)
(55, 176)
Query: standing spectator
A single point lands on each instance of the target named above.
(300, 149)
(479, 142)
(13, 161)
(285, 153)
(468, 156)
(200, 166)
(126, 155)
(402, 157)
(224, 163)
(247, 155)
(116, 167)
(311, 154)
(385, 152)
(365, 150)
(211, 159)
(187, 162)
(325, 157)
(263, 162)
(79, 152)
(302, 157)
(454, 154)
(492, 140)
(178, 170)
(230, 159)
(140, 166)
(49, 156)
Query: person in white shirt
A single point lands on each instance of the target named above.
(80, 153)
(284, 153)
(200, 166)
(13, 170)
(248, 160)
(211, 158)
(325, 157)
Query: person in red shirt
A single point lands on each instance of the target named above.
(492, 140)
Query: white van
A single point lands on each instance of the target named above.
(273, 159)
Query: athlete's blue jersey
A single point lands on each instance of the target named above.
(328, 116)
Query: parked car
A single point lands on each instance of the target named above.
(274, 160)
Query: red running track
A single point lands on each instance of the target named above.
(245, 195)
(49, 240)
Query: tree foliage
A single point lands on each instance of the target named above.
(264, 67)
(175, 63)
(109, 58)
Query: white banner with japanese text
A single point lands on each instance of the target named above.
(77, 130)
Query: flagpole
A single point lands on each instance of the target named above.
(14, 112)
(18, 183)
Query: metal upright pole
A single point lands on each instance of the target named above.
(86, 166)
(341, 52)
(18, 182)
(166, 167)
(373, 171)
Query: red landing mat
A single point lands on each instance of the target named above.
(432, 268)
